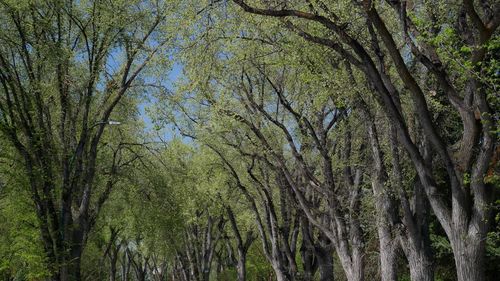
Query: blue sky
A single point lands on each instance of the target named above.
(174, 74)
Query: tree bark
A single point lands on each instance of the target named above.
(468, 249)
(468, 217)
(241, 268)
(383, 201)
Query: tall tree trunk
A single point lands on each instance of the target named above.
(388, 261)
(352, 262)
(415, 240)
(468, 250)
(388, 257)
(413, 231)
(421, 267)
(70, 269)
(384, 202)
(357, 268)
(112, 271)
(124, 264)
(387, 242)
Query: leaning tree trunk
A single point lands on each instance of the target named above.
(308, 263)
(413, 234)
(387, 243)
(352, 261)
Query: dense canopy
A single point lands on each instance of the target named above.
(243, 140)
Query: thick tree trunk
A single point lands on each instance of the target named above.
(387, 243)
(350, 252)
(308, 264)
(125, 266)
(113, 262)
(388, 264)
(417, 249)
(421, 268)
(352, 263)
(206, 274)
(70, 270)
(416, 241)
(468, 250)
(308, 250)
(357, 269)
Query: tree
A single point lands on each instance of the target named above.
(350, 140)
(465, 227)
(65, 66)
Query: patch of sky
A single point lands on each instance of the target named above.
(146, 108)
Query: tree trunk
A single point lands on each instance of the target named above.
(387, 243)
(415, 241)
(468, 250)
(241, 267)
(350, 253)
(357, 269)
(308, 250)
(388, 265)
(112, 264)
(125, 265)
(70, 270)
(280, 273)
(308, 264)
(112, 272)
(421, 268)
(383, 201)
(206, 274)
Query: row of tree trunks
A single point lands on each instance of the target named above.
(126, 261)
(194, 261)
(465, 214)
(346, 237)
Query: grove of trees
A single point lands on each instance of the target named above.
(289, 140)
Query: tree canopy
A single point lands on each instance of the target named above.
(249, 140)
